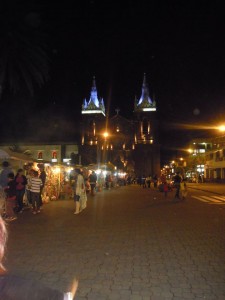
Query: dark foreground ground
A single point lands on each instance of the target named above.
(129, 243)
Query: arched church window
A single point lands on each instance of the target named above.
(145, 126)
(92, 128)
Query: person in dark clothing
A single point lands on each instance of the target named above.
(17, 288)
(21, 182)
(4, 174)
(177, 180)
(93, 180)
(42, 176)
(10, 191)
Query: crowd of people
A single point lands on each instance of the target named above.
(178, 183)
(16, 187)
(20, 191)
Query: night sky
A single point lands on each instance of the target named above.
(180, 45)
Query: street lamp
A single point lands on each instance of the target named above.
(105, 134)
(221, 128)
(101, 147)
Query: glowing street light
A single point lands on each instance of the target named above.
(105, 134)
(221, 128)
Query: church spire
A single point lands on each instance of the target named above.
(94, 105)
(145, 103)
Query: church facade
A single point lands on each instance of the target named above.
(131, 145)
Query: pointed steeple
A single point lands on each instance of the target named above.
(145, 103)
(94, 105)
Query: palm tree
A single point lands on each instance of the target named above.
(23, 60)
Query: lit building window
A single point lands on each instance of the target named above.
(40, 155)
(201, 150)
(54, 155)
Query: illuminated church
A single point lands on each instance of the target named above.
(131, 145)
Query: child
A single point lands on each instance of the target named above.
(183, 189)
(10, 191)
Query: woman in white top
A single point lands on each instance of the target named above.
(80, 193)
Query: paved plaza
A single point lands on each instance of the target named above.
(129, 243)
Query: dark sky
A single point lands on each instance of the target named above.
(180, 45)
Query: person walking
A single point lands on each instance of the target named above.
(21, 182)
(177, 181)
(183, 189)
(35, 189)
(93, 180)
(79, 190)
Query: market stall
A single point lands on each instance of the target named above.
(15, 159)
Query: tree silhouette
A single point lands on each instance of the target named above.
(23, 60)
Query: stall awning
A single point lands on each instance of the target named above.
(8, 154)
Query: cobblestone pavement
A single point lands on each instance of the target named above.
(129, 243)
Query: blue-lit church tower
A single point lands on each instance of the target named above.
(131, 144)
(92, 127)
(146, 138)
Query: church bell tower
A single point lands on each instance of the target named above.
(147, 148)
(93, 121)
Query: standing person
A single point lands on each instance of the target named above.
(3, 183)
(143, 181)
(93, 180)
(10, 191)
(148, 181)
(183, 188)
(108, 181)
(35, 189)
(4, 174)
(79, 189)
(177, 181)
(165, 188)
(21, 182)
(42, 176)
(155, 181)
(100, 181)
(28, 186)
